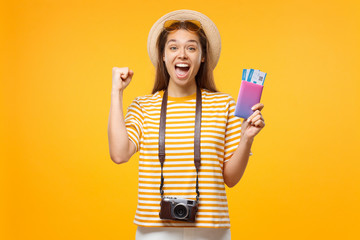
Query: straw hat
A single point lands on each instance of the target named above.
(208, 26)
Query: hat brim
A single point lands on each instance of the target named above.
(210, 29)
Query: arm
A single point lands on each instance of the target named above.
(121, 148)
(235, 167)
(119, 143)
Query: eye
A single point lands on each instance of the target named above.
(172, 48)
(192, 48)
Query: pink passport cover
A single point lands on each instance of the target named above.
(249, 95)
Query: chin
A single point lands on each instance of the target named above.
(182, 82)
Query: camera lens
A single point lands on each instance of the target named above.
(180, 211)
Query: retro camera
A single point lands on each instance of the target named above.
(178, 209)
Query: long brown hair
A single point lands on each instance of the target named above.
(204, 77)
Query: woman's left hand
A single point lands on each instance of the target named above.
(251, 126)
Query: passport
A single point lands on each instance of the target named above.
(252, 84)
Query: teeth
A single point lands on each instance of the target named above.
(182, 65)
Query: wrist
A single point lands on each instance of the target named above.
(116, 92)
(247, 139)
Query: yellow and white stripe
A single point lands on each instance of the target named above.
(220, 136)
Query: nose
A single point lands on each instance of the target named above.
(182, 53)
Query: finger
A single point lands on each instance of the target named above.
(257, 112)
(259, 123)
(261, 117)
(124, 75)
(131, 74)
(258, 117)
(258, 106)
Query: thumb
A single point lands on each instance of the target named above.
(131, 73)
(244, 124)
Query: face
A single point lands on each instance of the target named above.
(182, 56)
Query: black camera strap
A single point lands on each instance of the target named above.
(197, 158)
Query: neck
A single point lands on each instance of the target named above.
(179, 91)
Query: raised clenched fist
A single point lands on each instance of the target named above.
(121, 77)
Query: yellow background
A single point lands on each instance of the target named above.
(57, 178)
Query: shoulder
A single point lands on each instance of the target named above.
(148, 99)
(217, 96)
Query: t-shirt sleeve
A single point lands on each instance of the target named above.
(134, 120)
(232, 131)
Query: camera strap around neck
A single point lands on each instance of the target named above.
(197, 158)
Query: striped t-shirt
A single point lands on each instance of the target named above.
(220, 136)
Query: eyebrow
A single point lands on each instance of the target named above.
(173, 40)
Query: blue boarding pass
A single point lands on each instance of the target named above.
(254, 76)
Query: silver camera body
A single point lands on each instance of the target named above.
(179, 209)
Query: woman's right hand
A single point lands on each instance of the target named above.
(121, 78)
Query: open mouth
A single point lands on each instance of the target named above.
(181, 70)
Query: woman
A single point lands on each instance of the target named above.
(200, 155)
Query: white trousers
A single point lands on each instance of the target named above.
(182, 233)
